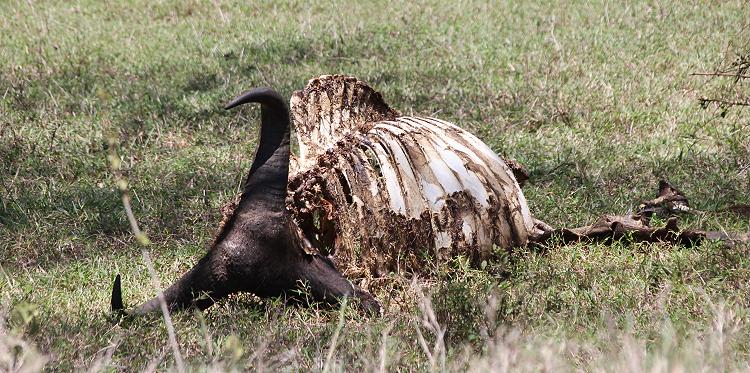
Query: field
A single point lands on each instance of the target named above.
(595, 99)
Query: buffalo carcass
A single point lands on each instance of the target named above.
(372, 191)
(384, 192)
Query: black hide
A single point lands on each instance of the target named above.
(257, 251)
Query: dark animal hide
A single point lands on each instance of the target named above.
(257, 249)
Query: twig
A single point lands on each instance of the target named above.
(723, 102)
(425, 348)
(165, 312)
(430, 322)
(741, 76)
(151, 367)
(105, 358)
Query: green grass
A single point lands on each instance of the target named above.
(594, 98)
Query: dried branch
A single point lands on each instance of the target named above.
(384, 348)
(731, 75)
(165, 311)
(737, 69)
(705, 101)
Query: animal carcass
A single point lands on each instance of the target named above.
(385, 192)
(373, 190)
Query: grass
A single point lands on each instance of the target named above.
(594, 98)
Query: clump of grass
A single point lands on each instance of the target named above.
(616, 350)
(715, 344)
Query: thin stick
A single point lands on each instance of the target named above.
(741, 76)
(425, 347)
(724, 102)
(139, 236)
(384, 348)
(165, 312)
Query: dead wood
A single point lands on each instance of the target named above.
(730, 75)
(728, 81)
(722, 103)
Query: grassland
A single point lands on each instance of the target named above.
(595, 98)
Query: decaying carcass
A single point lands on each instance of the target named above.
(371, 190)
(384, 192)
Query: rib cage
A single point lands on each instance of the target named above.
(385, 192)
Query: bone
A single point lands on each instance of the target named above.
(432, 188)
